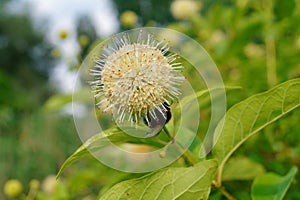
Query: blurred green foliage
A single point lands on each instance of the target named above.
(255, 44)
(32, 143)
(152, 12)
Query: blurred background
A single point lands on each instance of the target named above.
(255, 44)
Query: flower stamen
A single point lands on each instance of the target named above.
(135, 79)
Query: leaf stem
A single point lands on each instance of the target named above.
(223, 191)
(185, 153)
(168, 134)
(31, 194)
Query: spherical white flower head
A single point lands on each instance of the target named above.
(135, 79)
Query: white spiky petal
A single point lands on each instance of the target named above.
(135, 79)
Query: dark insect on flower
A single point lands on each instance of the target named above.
(157, 121)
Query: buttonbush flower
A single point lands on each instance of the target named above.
(134, 79)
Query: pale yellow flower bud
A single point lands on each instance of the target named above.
(185, 9)
(34, 184)
(129, 18)
(253, 50)
(49, 184)
(55, 53)
(13, 188)
(63, 34)
(83, 40)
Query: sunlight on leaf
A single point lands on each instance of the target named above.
(101, 140)
(170, 183)
(252, 115)
(271, 186)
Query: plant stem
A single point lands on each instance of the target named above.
(226, 193)
(223, 191)
(31, 195)
(271, 61)
(185, 153)
(168, 134)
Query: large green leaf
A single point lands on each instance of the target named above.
(102, 140)
(252, 115)
(170, 183)
(271, 186)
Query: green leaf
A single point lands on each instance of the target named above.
(170, 183)
(56, 102)
(201, 93)
(114, 135)
(203, 97)
(241, 168)
(101, 140)
(272, 186)
(250, 116)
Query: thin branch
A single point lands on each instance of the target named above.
(223, 191)
(168, 134)
(185, 153)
